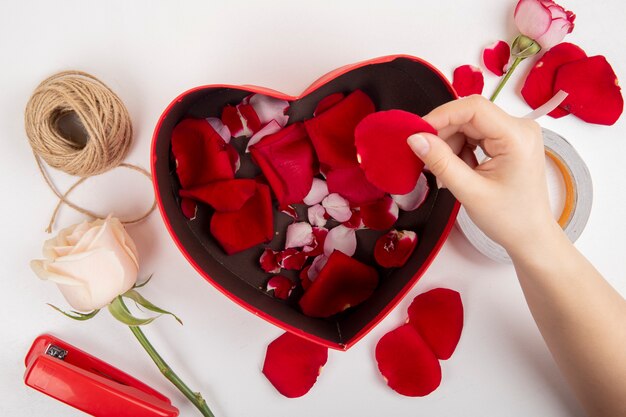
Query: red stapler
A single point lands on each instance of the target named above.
(76, 378)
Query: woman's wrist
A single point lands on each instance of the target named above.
(544, 246)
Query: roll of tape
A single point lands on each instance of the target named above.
(577, 205)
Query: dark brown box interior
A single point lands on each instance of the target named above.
(399, 84)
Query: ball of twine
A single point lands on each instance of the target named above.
(105, 138)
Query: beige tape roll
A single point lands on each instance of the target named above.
(576, 207)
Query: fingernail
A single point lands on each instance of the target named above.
(419, 144)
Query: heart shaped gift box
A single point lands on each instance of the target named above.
(392, 82)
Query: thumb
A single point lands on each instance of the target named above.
(452, 172)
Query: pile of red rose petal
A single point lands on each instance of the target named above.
(408, 357)
(350, 167)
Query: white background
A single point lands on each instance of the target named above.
(149, 52)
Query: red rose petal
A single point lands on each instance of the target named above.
(233, 155)
(269, 129)
(468, 80)
(594, 94)
(380, 215)
(201, 154)
(356, 221)
(268, 261)
(317, 246)
(332, 132)
(304, 278)
(352, 184)
(327, 102)
(288, 162)
(414, 199)
(250, 120)
(394, 248)
(290, 211)
(231, 119)
(220, 128)
(291, 259)
(292, 364)
(438, 316)
(496, 56)
(249, 226)
(539, 85)
(385, 156)
(406, 362)
(280, 287)
(189, 208)
(225, 195)
(342, 283)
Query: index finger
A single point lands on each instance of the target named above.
(475, 116)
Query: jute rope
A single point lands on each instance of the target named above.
(107, 133)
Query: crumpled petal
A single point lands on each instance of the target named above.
(200, 153)
(249, 226)
(317, 215)
(468, 80)
(241, 120)
(538, 87)
(438, 316)
(594, 94)
(342, 283)
(292, 364)
(317, 246)
(290, 211)
(224, 195)
(384, 154)
(288, 162)
(220, 128)
(298, 235)
(332, 132)
(352, 184)
(280, 286)
(291, 259)
(270, 108)
(337, 207)
(316, 194)
(269, 261)
(380, 215)
(269, 129)
(340, 238)
(356, 221)
(393, 249)
(496, 57)
(414, 199)
(406, 362)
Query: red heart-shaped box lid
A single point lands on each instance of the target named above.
(392, 82)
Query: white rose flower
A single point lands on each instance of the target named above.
(92, 263)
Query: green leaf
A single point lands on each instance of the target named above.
(139, 299)
(143, 283)
(119, 311)
(76, 315)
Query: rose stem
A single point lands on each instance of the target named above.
(194, 397)
(506, 78)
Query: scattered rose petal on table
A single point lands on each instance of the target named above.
(384, 154)
(340, 238)
(337, 207)
(317, 215)
(280, 287)
(342, 283)
(414, 199)
(316, 194)
(298, 235)
(406, 362)
(468, 80)
(269, 261)
(293, 364)
(288, 162)
(247, 227)
(438, 317)
(594, 94)
(393, 249)
(332, 132)
(224, 195)
(380, 215)
(538, 87)
(496, 57)
(269, 108)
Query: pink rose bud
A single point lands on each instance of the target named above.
(544, 21)
(92, 263)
